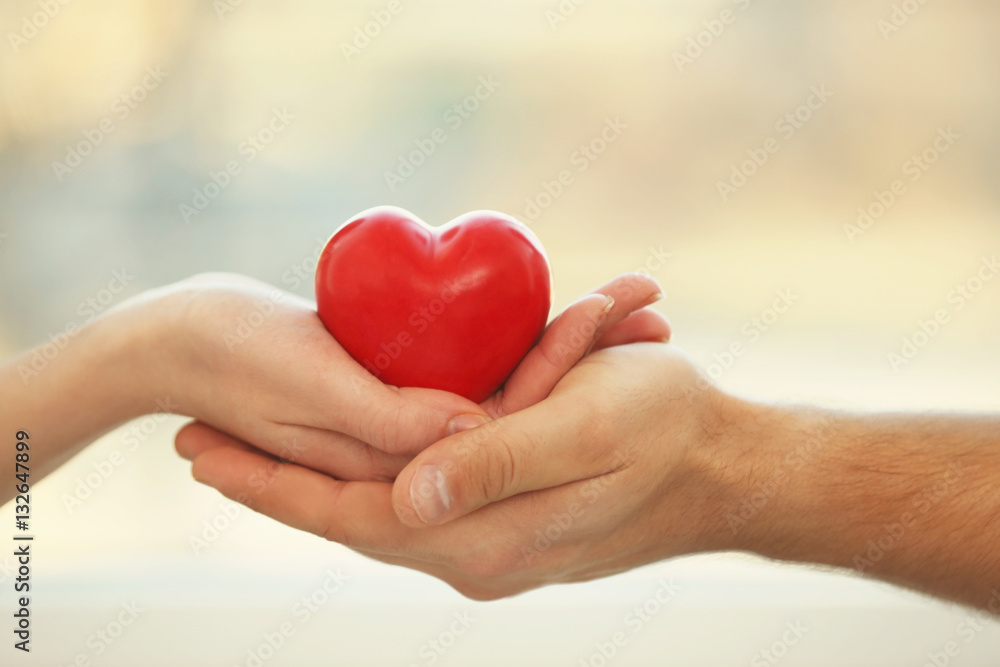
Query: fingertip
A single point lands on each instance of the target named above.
(197, 438)
(465, 422)
(644, 325)
(425, 417)
(668, 331)
(421, 494)
(657, 325)
(609, 303)
(198, 469)
(214, 467)
(584, 316)
(640, 279)
(188, 440)
(402, 500)
(430, 496)
(598, 301)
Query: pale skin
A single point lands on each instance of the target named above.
(282, 381)
(634, 458)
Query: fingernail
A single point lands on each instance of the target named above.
(604, 314)
(653, 299)
(465, 422)
(429, 493)
(597, 325)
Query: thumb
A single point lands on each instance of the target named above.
(536, 448)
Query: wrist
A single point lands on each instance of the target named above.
(763, 481)
(137, 354)
(125, 349)
(88, 387)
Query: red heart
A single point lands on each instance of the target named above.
(454, 307)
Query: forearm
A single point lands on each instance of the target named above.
(64, 398)
(911, 499)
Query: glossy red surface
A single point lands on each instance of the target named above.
(454, 307)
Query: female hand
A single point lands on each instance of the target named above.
(235, 353)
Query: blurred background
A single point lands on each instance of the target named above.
(844, 153)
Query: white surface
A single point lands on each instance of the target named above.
(212, 611)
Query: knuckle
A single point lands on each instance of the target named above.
(383, 425)
(605, 438)
(377, 466)
(555, 352)
(328, 527)
(499, 472)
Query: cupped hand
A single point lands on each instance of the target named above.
(289, 388)
(612, 470)
(256, 362)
